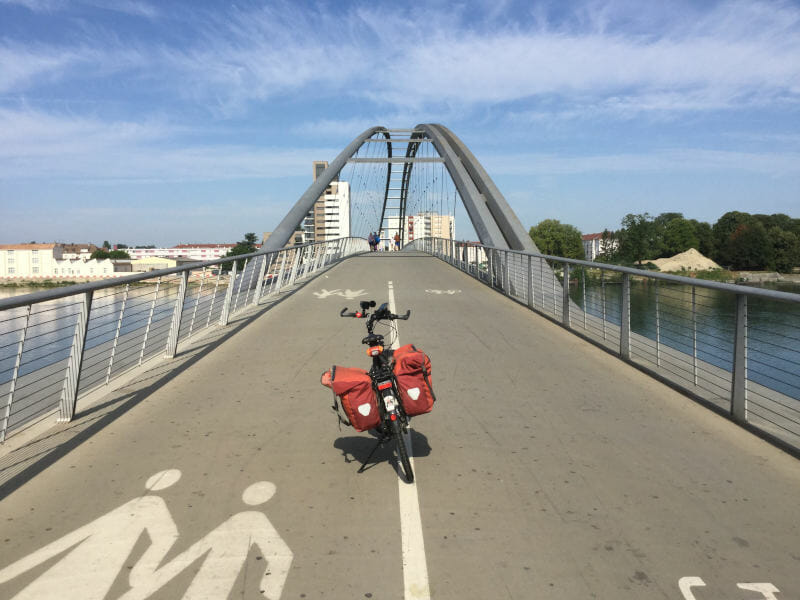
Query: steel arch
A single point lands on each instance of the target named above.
(493, 219)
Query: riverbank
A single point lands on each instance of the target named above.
(37, 283)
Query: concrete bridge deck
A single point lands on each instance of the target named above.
(548, 468)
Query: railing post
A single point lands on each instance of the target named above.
(250, 281)
(20, 348)
(541, 281)
(282, 254)
(262, 271)
(530, 281)
(506, 274)
(213, 297)
(150, 320)
(603, 298)
(116, 333)
(197, 302)
(226, 305)
(239, 289)
(694, 333)
(72, 378)
(739, 378)
(583, 286)
(658, 328)
(625, 318)
(298, 253)
(490, 264)
(177, 315)
(565, 298)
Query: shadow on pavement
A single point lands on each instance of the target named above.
(356, 449)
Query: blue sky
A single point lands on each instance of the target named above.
(167, 122)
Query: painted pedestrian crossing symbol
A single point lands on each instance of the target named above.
(93, 556)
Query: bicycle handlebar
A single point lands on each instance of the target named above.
(379, 315)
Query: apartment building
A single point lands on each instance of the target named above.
(198, 252)
(594, 245)
(329, 218)
(424, 224)
(48, 261)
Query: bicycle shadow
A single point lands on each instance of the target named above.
(357, 448)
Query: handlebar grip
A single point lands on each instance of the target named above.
(405, 316)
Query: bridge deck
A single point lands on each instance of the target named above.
(547, 467)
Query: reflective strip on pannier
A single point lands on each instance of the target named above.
(353, 387)
(412, 370)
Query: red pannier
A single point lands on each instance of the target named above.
(354, 388)
(412, 370)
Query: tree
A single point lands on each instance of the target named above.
(102, 254)
(679, 236)
(557, 239)
(245, 246)
(786, 247)
(749, 247)
(106, 245)
(637, 238)
(705, 237)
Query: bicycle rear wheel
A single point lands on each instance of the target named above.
(402, 453)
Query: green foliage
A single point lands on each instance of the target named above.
(787, 249)
(106, 245)
(637, 238)
(102, 254)
(245, 246)
(557, 239)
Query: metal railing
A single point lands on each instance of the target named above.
(736, 348)
(59, 344)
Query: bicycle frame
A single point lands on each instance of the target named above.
(393, 419)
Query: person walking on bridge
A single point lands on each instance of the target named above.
(397, 241)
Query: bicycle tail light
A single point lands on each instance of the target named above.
(374, 350)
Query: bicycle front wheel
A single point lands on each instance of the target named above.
(402, 453)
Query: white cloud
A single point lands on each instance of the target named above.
(40, 145)
(132, 7)
(614, 56)
(676, 160)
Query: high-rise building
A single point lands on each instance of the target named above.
(425, 224)
(329, 218)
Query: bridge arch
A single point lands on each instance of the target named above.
(494, 221)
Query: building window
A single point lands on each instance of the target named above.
(35, 269)
(10, 256)
(11, 270)
(55, 271)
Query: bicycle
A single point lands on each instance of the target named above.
(361, 391)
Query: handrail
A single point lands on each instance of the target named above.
(730, 346)
(115, 336)
(92, 286)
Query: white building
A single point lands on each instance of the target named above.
(424, 224)
(329, 218)
(46, 261)
(594, 245)
(198, 252)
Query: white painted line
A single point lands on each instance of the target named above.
(415, 565)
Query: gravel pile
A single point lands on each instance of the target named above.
(691, 260)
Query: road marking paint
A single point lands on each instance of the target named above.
(95, 555)
(415, 566)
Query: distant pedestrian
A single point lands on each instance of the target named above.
(378, 240)
(371, 240)
(397, 241)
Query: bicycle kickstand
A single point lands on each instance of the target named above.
(379, 444)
